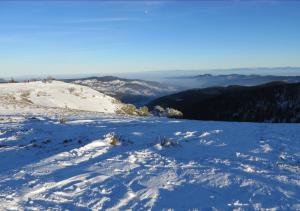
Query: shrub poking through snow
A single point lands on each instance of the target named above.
(71, 90)
(67, 141)
(114, 101)
(40, 93)
(34, 145)
(115, 140)
(62, 120)
(25, 94)
(168, 112)
(167, 142)
(50, 79)
(173, 113)
(130, 109)
(159, 109)
(46, 141)
(143, 111)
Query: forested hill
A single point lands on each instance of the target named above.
(272, 102)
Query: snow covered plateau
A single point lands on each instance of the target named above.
(157, 163)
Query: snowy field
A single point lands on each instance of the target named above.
(210, 165)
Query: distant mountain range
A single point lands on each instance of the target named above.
(166, 75)
(2, 80)
(272, 102)
(134, 91)
(209, 80)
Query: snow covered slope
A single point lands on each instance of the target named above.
(45, 165)
(55, 94)
(138, 92)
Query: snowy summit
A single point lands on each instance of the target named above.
(54, 94)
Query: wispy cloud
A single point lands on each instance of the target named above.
(29, 31)
(51, 27)
(104, 19)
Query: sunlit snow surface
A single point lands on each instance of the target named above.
(215, 166)
(33, 97)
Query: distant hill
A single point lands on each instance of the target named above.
(134, 91)
(246, 80)
(2, 80)
(209, 80)
(165, 75)
(272, 102)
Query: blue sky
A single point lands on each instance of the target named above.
(75, 37)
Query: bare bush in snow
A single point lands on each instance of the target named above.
(50, 79)
(25, 94)
(130, 109)
(71, 90)
(143, 111)
(168, 112)
(115, 140)
(167, 142)
(62, 120)
(173, 113)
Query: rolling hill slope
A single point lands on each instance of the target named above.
(273, 102)
(22, 96)
(134, 91)
(210, 80)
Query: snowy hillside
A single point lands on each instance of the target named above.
(138, 92)
(19, 97)
(202, 165)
